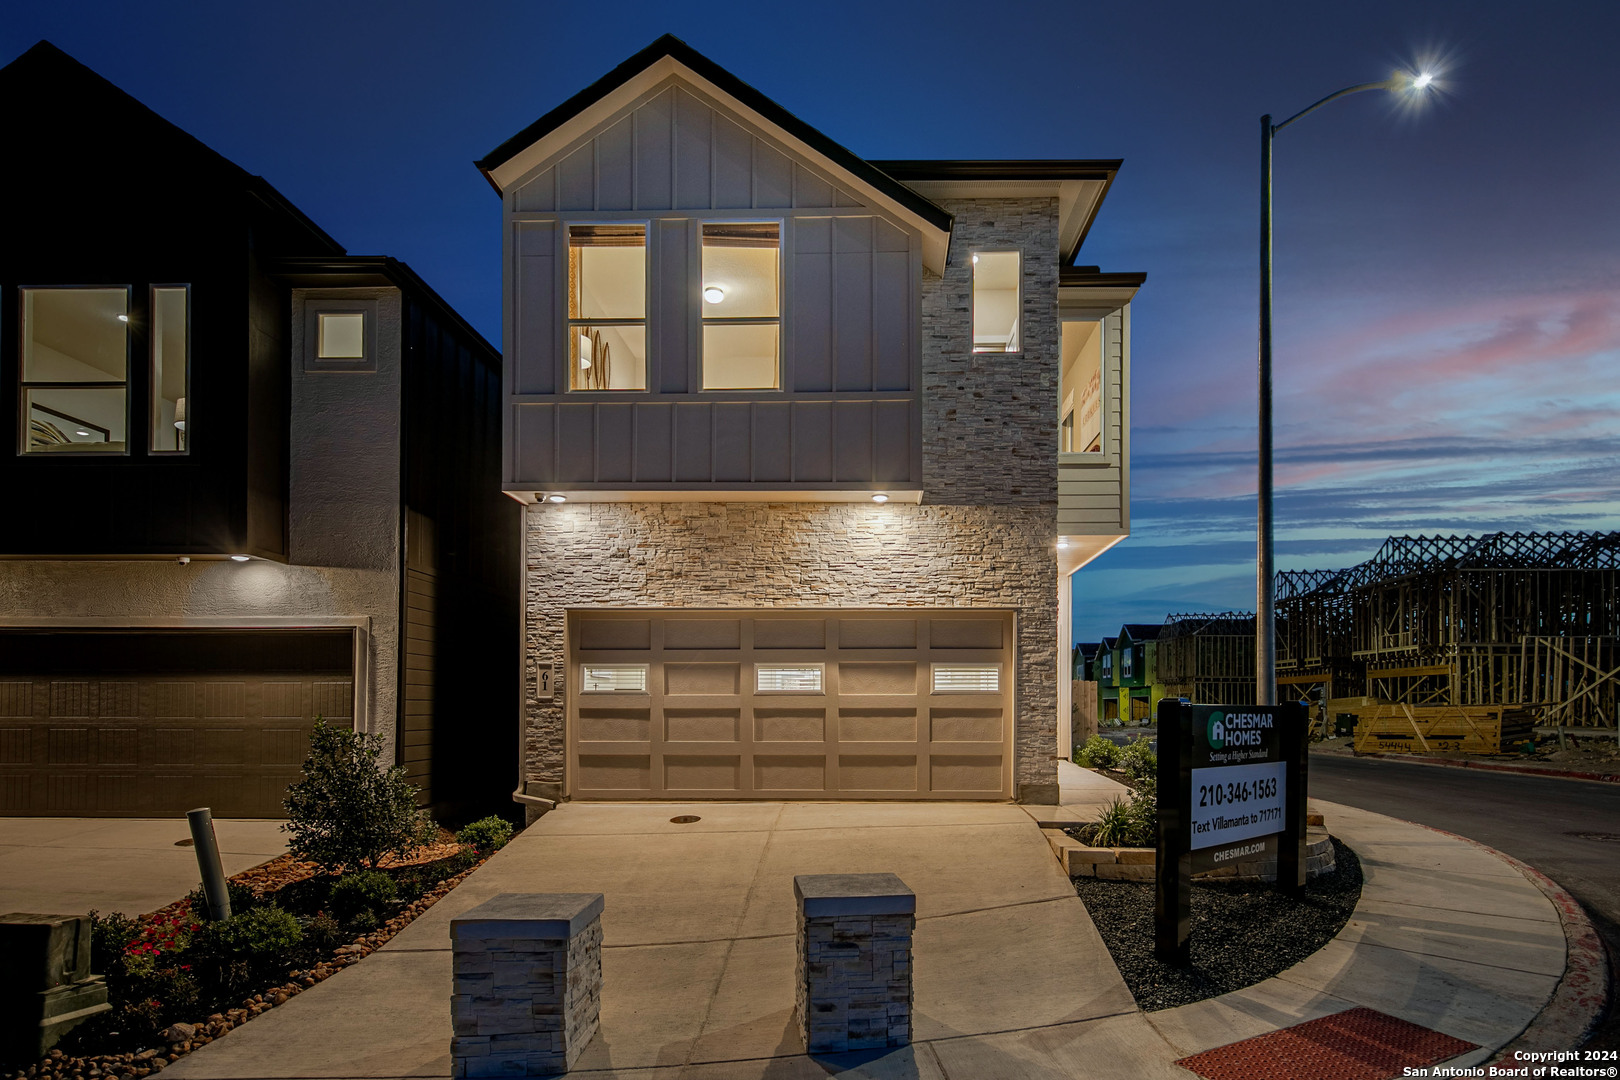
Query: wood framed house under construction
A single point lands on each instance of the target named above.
(1208, 657)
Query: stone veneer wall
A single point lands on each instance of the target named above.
(982, 538)
(753, 555)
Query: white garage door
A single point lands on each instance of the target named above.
(888, 704)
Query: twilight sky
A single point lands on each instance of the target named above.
(1448, 281)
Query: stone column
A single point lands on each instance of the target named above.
(854, 970)
(527, 983)
(47, 988)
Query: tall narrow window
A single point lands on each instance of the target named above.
(607, 307)
(995, 301)
(742, 306)
(171, 369)
(1080, 389)
(75, 370)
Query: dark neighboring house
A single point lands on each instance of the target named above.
(252, 480)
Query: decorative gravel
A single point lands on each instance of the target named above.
(1241, 933)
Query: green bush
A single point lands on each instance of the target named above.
(361, 898)
(1137, 759)
(486, 835)
(322, 934)
(235, 954)
(1097, 753)
(242, 899)
(347, 811)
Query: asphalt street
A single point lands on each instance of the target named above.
(1567, 829)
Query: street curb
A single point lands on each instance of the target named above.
(1582, 996)
(1523, 770)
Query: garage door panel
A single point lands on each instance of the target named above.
(113, 725)
(702, 725)
(775, 704)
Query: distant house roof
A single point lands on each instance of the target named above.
(1141, 631)
(45, 76)
(1108, 644)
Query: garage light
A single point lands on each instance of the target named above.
(240, 558)
(556, 498)
(880, 498)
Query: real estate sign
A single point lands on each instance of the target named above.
(1231, 787)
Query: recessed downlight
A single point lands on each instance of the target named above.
(556, 498)
(975, 260)
(714, 294)
(880, 498)
(240, 558)
(123, 318)
(1063, 545)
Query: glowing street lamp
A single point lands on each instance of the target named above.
(1265, 616)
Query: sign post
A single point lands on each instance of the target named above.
(1232, 785)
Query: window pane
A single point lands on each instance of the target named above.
(75, 335)
(1080, 386)
(995, 301)
(607, 357)
(607, 272)
(75, 421)
(169, 369)
(800, 679)
(741, 356)
(967, 678)
(342, 336)
(614, 678)
(742, 271)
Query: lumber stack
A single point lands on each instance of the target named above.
(1393, 727)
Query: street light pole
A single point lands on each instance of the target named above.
(1265, 583)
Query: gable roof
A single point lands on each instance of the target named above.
(1141, 631)
(516, 156)
(46, 74)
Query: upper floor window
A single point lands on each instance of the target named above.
(1080, 387)
(607, 307)
(75, 370)
(742, 305)
(1127, 665)
(171, 368)
(996, 304)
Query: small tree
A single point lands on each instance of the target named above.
(347, 811)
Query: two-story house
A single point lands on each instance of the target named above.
(808, 446)
(251, 479)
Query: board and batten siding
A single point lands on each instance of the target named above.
(1094, 490)
(848, 413)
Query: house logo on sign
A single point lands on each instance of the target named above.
(1215, 734)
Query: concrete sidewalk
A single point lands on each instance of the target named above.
(67, 866)
(1011, 977)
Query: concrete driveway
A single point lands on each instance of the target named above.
(698, 955)
(68, 866)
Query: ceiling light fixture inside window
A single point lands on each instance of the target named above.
(86, 434)
(714, 294)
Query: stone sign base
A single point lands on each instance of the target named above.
(854, 963)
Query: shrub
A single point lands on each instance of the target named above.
(245, 949)
(347, 811)
(1113, 826)
(1097, 753)
(1137, 760)
(322, 934)
(242, 899)
(361, 898)
(487, 835)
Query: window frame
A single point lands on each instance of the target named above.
(937, 666)
(24, 385)
(703, 320)
(821, 669)
(569, 323)
(316, 305)
(1068, 407)
(152, 382)
(1018, 302)
(646, 677)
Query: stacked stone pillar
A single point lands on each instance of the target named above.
(527, 983)
(854, 969)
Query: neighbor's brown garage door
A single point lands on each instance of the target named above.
(154, 723)
(889, 704)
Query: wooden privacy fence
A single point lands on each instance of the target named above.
(1395, 727)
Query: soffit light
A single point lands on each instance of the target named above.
(880, 498)
(975, 260)
(123, 318)
(714, 294)
(1063, 545)
(557, 498)
(240, 558)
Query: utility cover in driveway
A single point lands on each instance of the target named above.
(154, 723)
(790, 704)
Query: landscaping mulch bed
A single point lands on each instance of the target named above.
(1241, 933)
(182, 1038)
